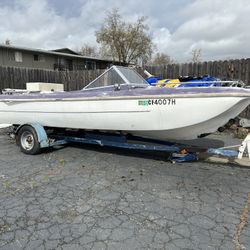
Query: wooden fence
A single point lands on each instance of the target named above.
(225, 70)
(11, 77)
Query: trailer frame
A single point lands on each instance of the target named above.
(178, 152)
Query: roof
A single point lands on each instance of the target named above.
(54, 52)
(65, 50)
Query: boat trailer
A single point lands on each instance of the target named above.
(31, 138)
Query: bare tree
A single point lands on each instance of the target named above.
(7, 42)
(161, 59)
(87, 50)
(196, 55)
(125, 42)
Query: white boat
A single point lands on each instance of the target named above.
(121, 100)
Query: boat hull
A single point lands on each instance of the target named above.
(153, 117)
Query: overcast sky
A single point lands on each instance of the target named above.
(220, 28)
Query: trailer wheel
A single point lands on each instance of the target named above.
(27, 140)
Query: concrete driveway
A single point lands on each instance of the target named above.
(95, 198)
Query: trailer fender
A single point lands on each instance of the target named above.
(40, 131)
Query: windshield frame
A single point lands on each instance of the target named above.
(121, 75)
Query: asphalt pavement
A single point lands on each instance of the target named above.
(86, 197)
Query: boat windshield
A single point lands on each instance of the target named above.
(117, 75)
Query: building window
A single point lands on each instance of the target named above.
(11, 55)
(18, 56)
(39, 58)
(36, 57)
(90, 65)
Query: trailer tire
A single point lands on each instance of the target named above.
(27, 140)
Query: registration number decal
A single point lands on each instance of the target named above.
(148, 102)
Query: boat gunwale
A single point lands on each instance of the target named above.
(107, 98)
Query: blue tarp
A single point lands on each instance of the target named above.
(187, 81)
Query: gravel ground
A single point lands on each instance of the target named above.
(99, 198)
